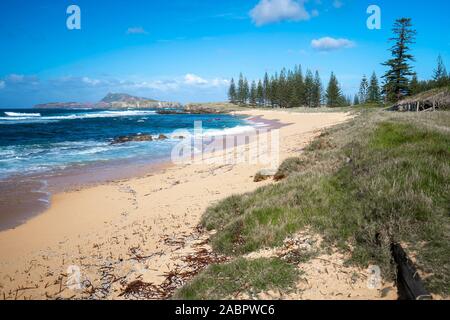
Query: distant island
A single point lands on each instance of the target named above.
(113, 101)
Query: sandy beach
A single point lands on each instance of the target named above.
(142, 228)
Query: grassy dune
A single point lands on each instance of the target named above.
(381, 178)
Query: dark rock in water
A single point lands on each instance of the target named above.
(179, 111)
(180, 137)
(141, 138)
(162, 137)
(133, 138)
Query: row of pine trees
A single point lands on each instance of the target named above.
(369, 91)
(288, 89)
(440, 79)
(292, 88)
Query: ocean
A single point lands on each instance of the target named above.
(38, 145)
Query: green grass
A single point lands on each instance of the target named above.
(383, 177)
(239, 276)
(289, 166)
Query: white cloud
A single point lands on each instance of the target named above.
(329, 44)
(68, 88)
(192, 79)
(270, 11)
(16, 78)
(136, 30)
(85, 82)
(160, 85)
(186, 82)
(90, 81)
(20, 79)
(219, 82)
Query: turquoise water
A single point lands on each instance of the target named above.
(35, 141)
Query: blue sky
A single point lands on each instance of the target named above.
(186, 51)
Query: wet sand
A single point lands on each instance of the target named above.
(25, 197)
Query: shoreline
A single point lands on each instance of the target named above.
(141, 226)
(27, 196)
(33, 193)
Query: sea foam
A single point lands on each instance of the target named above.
(38, 118)
(20, 114)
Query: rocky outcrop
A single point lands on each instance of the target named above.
(162, 137)
(203, 109)
(123, 97)
(115, 101)
(142, 138)
(122, 101)
(132, 138)
(171, 111)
